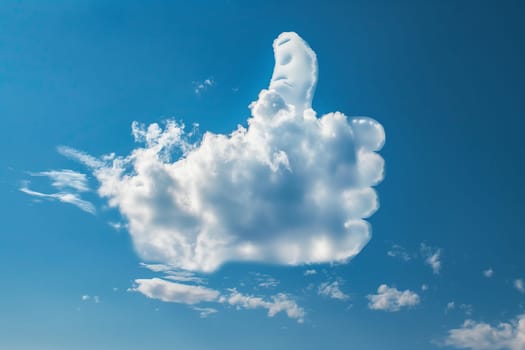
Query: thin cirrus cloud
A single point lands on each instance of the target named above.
(70, 185)
(64, 197)
(66, 179)
(483, 336)
(291, 188)
(391, 299)
(174, 275)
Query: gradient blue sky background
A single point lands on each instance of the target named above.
(444, 78)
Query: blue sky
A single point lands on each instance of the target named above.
(444, 80)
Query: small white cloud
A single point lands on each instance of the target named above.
(205, 312)
(95, 298)
(397, 251)
(483, 336)
(332, 290)
(451, 305)
(391, 299)
(160, 289)
(266, 281)
(432, 257)
(518, 284)
(488, 272)
(116, 225)
(310, 272)
(200, 86)
(424, 287)
(278, 303)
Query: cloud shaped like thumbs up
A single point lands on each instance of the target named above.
(291, 188)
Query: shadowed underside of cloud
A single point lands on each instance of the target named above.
(483, 336)
(291, 188)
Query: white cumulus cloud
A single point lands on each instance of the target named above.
(392, 299)
(483, 336)
(290, 188)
